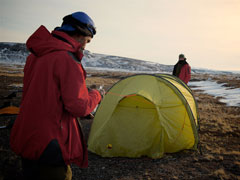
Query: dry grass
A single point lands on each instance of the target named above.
(219, 141)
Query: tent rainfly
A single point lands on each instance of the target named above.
(145, 115)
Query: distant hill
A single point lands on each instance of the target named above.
(16, 53)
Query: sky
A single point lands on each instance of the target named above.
(206, 31)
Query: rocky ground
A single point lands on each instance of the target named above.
(218, 156)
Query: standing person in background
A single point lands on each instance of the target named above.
(46, 133)
(182, 69)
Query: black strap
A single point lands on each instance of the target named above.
(70, 53)
(74, 57)
(62, 39)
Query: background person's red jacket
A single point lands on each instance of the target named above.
(54, 94)
(185, 74)
(182, 70)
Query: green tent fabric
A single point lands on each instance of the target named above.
(145, 115)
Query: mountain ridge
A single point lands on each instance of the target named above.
(16, 53)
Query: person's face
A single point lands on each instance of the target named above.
(83, 40)
(181, 58)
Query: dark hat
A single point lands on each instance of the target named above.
(181, 56)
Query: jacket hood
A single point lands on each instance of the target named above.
(42, 42)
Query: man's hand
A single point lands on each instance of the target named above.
(100, 89)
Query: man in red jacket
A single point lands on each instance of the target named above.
(182, 70)
(46, 133)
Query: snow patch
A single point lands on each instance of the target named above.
(229, 96)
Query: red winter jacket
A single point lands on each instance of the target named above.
(54, 94)
(185, 74)
(182, 70)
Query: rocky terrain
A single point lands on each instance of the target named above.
(218, 156)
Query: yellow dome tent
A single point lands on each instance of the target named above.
(145, 115)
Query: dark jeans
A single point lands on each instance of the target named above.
(50, 165)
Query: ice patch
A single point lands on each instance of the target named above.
(229, 96)
(16, 85)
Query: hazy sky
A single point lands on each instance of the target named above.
(206, 31)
